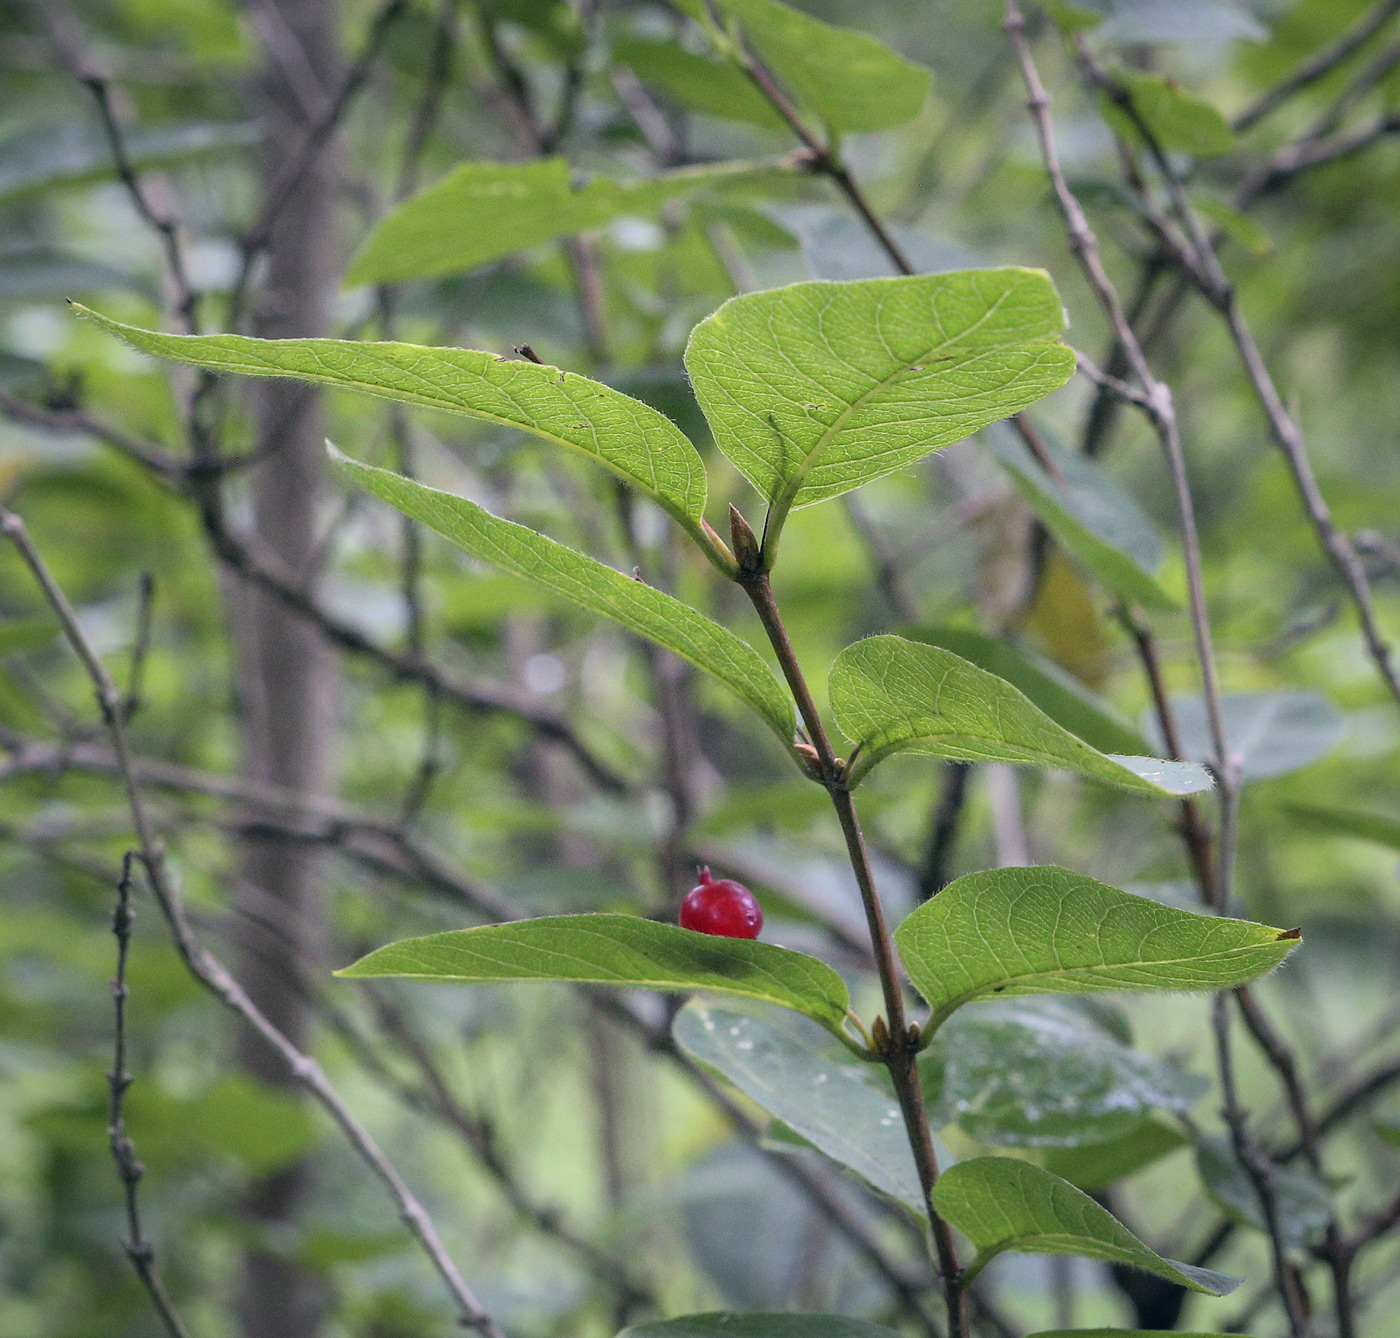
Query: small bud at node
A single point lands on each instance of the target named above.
(747, 552)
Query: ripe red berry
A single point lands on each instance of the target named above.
(721, 906)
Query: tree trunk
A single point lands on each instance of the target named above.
(286, 670)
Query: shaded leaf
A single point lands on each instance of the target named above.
(841, 1107)
(1127, 1333)
(818, 388)
(1098, 1165)
(1046, 930)
(1177, 120)
(18, 634)
(624, 435)
(72, 153)
(1042, 1073)
(1060, 695)
(851, 81)
(890, 695)
(481, 212)
(49, 275)
(617, 950)
(1091, 517)
(1134, 22)
(1272, 732)
(701, 83)
(1336, 821)
(1000, 1204)
(1304, 1202)
(758, 1325)
(640, 608)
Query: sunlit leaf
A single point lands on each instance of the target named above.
(817, 388)
(838, 1105)
(639, 607)
(890, 695)
(1000, 1204)
(1045, 930)
(482, 212)
(624, 435)
(617, 950)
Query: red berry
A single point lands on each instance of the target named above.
(721, 906)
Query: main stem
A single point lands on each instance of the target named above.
(896, 1042)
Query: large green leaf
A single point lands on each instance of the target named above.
(1092, 519)
(701, 83)
(1045, 930)
(1273, 733)
(1000, 1204)
(844, 1108)
(71, 153)
(624, 435)
(1097, 1165)
(617, 950)
(639, 607)
(891, 695)
(1045, 1073)
(850, 80)
(817, 388)
(1063, 698)
(482, 212)
(756, 1324)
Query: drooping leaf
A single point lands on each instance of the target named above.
(756, 1324)
(1098, 1165)
(72, 153)
(1176, 119)
(1063, 698)
(617, 950)
(701, 83)
(481, 212)
(640, 608)
(817, 388)
(1042, 1073)
(839, 1106)
(890, 695)
(1092, 519)
(1336, 821)
(1272, 732)
(1045, 930)
(850, 80)
(624, 435)
(1304, 1203)
(1000, 1204)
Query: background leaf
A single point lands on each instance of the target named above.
(1335, 821)
(1046, 930)
(640, 608)
(890, 695)
(1177, 119)
(617, 950)
(1000, 1204)
(1273, 732)
(845, 1109)
(1304, 1202)
(817, 388)
(1098, 1165)
(758, 1325)
(624, 435)
(701, 83)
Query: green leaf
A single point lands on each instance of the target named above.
(1098, 1165)
(481, 212)
(640, 608)
(890, 695)
(1177, 119)
(841, 1107)
(18, 634)
(1237, 225)
(47, 275)
(1062, 697)
(1000, 1204)
(1092, 519)
(1304, 1202)
(622, 434)
(715, 87)
(818, 388)
(1388, 1131)
(850, 80)
(1127, 1333)
(1273, 733)
(617, 950)
(71, 153)
(1043, 1073)
(757, 1324)
(1046, 930)
(1384, 831)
